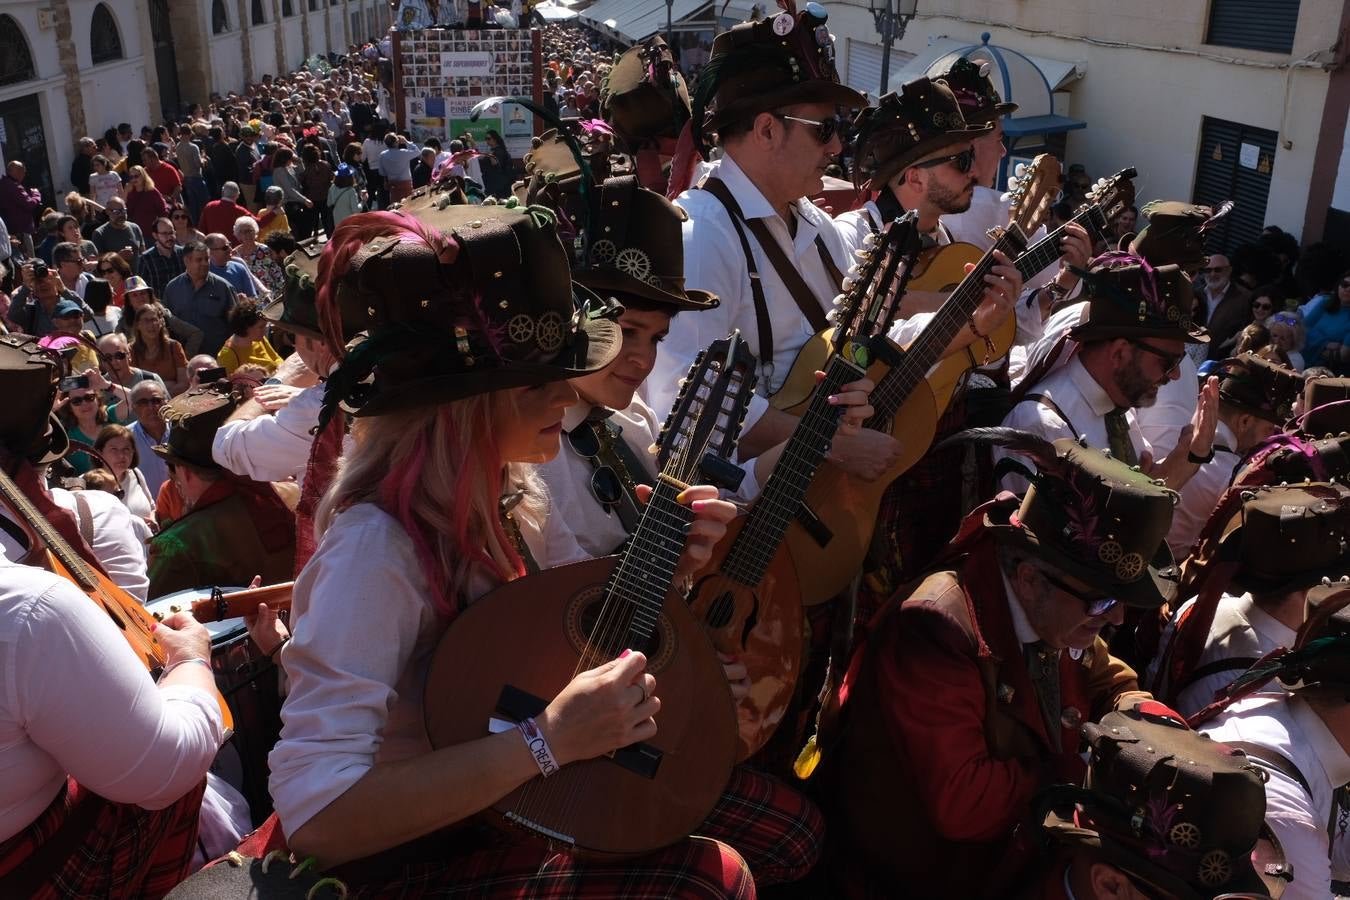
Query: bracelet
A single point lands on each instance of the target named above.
(191, 659)
(1199, 460)
(277, 649)
(989, 348)
(539, 748)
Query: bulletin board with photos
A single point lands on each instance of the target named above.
(442, 73)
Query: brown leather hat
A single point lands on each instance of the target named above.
(1289, 537)
(903, 128)
(28, 379)
(294, 309)
(969, 81)
(1092, 517)
(493, 307)
(1176, 810)
(1175, 234)
(756, 67)
(644, 96)
(1131, 298)
(1263, 388)
(193, 420)
(1326, 407)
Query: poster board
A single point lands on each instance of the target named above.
(442, 73)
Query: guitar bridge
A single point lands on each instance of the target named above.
(515, 705)
(541, 830)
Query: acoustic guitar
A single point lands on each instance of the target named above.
(910, 399)
(506, 656)
(748, 597)
(50, 551)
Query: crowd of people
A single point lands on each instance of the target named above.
(620, 530)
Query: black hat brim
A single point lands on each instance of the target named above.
(607, 280)
(273, 313)
(593, 348)
(814, 91)
(898, 163)
(58, 443)
(1088, 331)
(1150, 592)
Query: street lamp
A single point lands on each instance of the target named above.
(891, 17)
(670, 31)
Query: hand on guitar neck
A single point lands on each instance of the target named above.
(711, 516)
(865, 453)
(1078, 249)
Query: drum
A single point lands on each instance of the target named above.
(248, 682)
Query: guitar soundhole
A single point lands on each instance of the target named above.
(720, 610)
(584, 615)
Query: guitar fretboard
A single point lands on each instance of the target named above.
(1046, 251)
(47, 533)
(645, 572)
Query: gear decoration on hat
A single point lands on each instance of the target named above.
(1110, 552)
(603, 252)
(1173, 313)
(1130, 567)
(634, 262)
(1185, 834)
(548, 334)
(1216, 868)
(520, 328)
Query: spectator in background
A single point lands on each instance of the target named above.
(1288, 334)
(153, 350)
(163, 262)
(422, 168)
(220, 215)
(315, 180)
(145, 203)
(19, 205)
(396, 166)
(86, 212)
(255, 255)
(197, 365)
(69, 265)
(138, 296)
(229, 268)
(121, 375)
(273, 216)
(117, 445)
(343, 198)
(1266, 301)
(115, 270)
(147, 404)
(183, 232)
(1225, 304)
(190, 164)
(83, 165)
(497, 168)
(248, 340)
(246, 158)
(222, 153)
(49, 229)
(286, 178)
(98, 297)
(200, 298)
(69, 230)
(35, 306)
(1327, 318)
(165, 176)
(83, 415)
(118, 235)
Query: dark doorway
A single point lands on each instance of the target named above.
(166, 64)
(1235, 163)
(22, 138)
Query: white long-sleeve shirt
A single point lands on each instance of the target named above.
(1201, 493)
(363, 632)
(75, 700)
(271, 447)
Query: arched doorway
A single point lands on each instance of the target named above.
(166, 63)
(22, 135)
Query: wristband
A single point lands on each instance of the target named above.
(539, 748)
(191, 659)
(1199, 460)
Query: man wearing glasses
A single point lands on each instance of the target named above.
(968, 697)
(1130, 343)
(163, 261)
(150, 429)
(1226, 305)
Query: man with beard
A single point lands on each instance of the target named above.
(1130, 344)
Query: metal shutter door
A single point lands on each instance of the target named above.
(1253, 24)
(1220, 175)
(864, 65)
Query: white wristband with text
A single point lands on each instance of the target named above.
(539, 748)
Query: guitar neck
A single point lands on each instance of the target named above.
(1042, 254)
(238, 604)
(645, 572)
(47, 533)
(897, 384)
(782, 494)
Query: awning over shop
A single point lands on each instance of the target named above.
(550, 13)
(634, 20)
(942, 50)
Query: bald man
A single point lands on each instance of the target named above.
(1227, 306)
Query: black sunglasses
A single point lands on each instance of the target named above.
(1170, 360)
(826, 129)
(605, 484)
(1213, 269)
(963, 161)
(1098, 605)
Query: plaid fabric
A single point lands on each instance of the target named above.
(158, 270)
(774, 828)
(128, 851)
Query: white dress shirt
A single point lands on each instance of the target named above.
(76, 701)
(1240, 630)
(118, 544)
(272, 447)
(1082, 400)
(714, 261)
(1201, 494)
(363, 633)
(1288, 726)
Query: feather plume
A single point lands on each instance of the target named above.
(1014, 440)
(728, 65)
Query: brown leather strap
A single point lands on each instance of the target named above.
(1271, 759)
(801, 294)
(1049, 404)
(763, 324)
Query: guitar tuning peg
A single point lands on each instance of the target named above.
(1012, 183)
(1020, 170)
(848, 284)
(870, 241)
(1005, 198)
(862, 254)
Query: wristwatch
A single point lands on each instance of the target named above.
(1199, 460)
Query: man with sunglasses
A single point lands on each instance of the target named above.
(1131, 343)
(150, 429)
(121, 376)
(1225, 302)
(968, 694)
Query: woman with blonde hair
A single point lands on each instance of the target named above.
(433, 506)
(153, 350)
(145, 203)
(1288, 334)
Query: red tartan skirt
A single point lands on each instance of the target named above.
(761, 830)
(102, 849)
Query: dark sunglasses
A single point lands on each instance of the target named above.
(81, 401)
(119, 355)
(1170, 360)
(1098, 605)
(1212, 269)
(151, 401)
(106, 271)
(826, 129)
(605, 484)
(963, 161)
(1265, 306)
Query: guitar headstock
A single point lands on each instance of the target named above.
(700, 434)
(1112, 196)
(1032, 190)
(868, 304)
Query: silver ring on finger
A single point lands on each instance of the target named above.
(642, 687)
